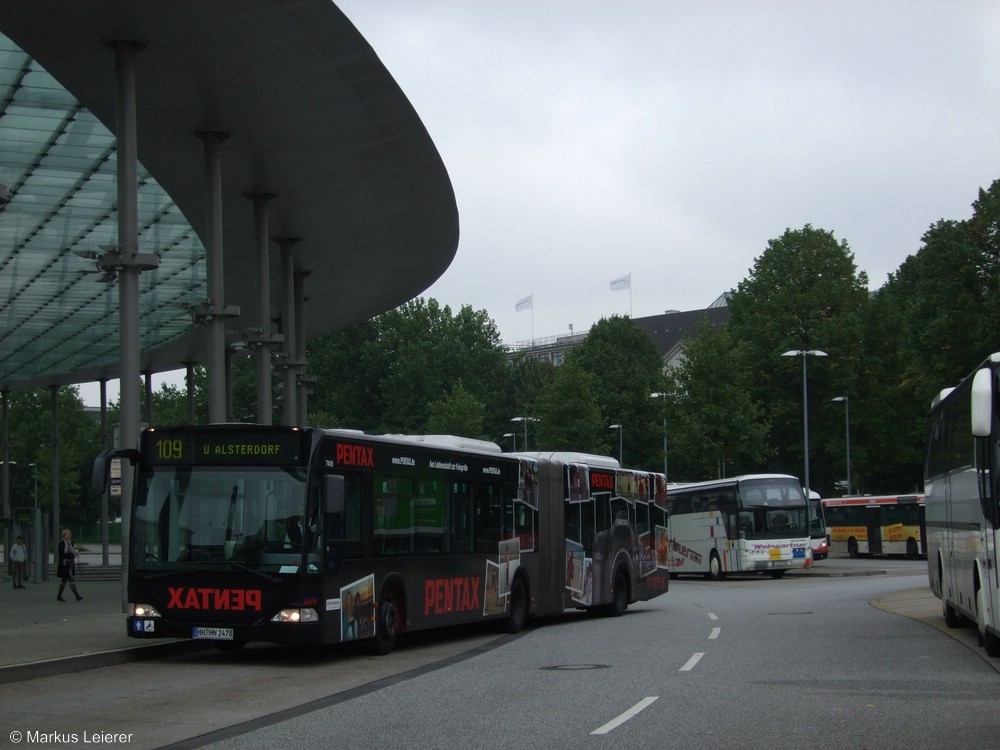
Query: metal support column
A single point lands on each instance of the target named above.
(213, 314)
(54, 467)
(261, 339)
(127, 262)
(289, 416)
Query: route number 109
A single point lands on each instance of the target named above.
(170, 450)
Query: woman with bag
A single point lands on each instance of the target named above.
(67, 566)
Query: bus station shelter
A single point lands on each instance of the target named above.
(181, 180)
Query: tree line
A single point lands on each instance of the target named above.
(734, 405)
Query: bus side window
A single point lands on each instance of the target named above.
(342, 538)
(486, 518)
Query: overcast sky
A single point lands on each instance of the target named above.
(671, 140)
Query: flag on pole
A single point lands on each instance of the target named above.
(624, 282)
(525, 304)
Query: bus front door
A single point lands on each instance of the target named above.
(873, 519)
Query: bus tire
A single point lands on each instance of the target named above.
(517, 601)
(778, 573)
(912, 551)
(388, 621)
(852, 548)
(951, 618)
(715, 572)
(619, 594)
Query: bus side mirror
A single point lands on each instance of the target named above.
(102, 464)
(982, 403)
(333, 493)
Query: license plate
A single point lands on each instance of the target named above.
(213, 634)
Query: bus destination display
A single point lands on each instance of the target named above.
(265, 448)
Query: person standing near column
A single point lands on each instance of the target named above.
(18, 558)
(67, 566)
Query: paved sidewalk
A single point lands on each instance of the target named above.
(40, 637)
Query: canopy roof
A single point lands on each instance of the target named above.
(314, 118)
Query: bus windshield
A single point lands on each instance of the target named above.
(772, 508)
(192, 515)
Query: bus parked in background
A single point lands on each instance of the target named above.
(244, 533)
(747, 524)
(818, 539)
(961, 478)
(876, 525)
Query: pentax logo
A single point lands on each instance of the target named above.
(238, 600)
(356, 455)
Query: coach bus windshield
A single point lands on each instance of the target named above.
(772, 508)
(214, 516)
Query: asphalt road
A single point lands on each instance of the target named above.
(798, 662)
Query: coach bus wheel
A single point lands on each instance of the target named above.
(518, 612)
(715, 572)
(388, 622)
(778, 573)
(911, 549)
(619, 595)
(852, 547)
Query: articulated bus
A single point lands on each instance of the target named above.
(961, 478)
(876, 525)
(243, 533)
(748, 524)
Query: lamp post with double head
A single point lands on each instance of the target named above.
(620, 444)
(804, 353)
(847, 432)
(663, 396)
(525, 420)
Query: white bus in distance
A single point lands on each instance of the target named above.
(757, 523)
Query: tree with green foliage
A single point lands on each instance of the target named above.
(569, 416)
(457, 413)
(626, 368)
(716, 426)
(803, 293)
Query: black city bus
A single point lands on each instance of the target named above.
(243, 533)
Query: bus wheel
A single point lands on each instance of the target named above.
(715, 572)
(951, 617)
(229, 645)
(911, 548)
(619, 596)
(388, 622)
(852, 547)
(517, 614)
(778, 573)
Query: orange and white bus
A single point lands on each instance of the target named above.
(876, 525)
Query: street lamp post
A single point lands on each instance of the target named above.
(512, 435)
(847, 432)
(34, 473)
(805, 402)
(525, 420)
(663, 395)
(619, 428)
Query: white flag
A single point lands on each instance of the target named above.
(524, 304)
(625, 282)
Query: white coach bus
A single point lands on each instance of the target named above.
(962, 514)
(756, 523)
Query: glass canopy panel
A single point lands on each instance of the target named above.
(58, 309)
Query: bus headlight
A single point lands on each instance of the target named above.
(143, 610)
(306, 614)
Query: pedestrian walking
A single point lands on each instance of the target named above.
(67, 566)
(19, 559)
